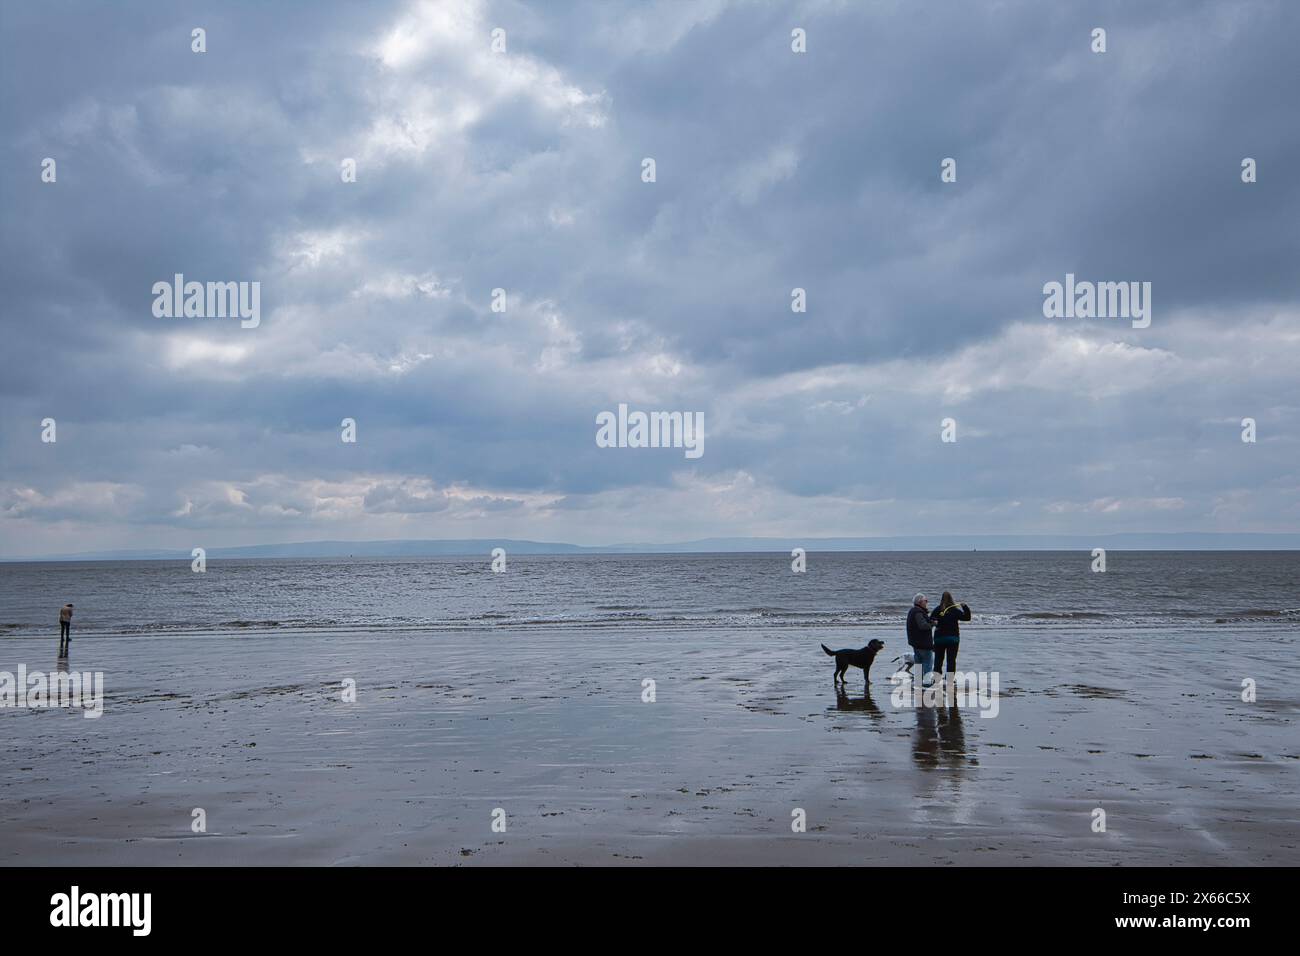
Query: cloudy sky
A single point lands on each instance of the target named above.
(522, 170)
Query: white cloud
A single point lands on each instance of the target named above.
(399, 285)
(312, 248)
(439, 76)
(184, 351)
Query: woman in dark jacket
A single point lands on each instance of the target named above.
(947, 632)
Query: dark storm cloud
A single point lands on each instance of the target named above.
(522, 172)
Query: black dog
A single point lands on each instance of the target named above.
(849, 657)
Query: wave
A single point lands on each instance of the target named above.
(239, 624)
(1259, 614)
(637, 617)
(1061, 616)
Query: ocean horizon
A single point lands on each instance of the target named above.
(1167, 590)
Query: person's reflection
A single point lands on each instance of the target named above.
(62, 665)
(925, 743)
(864, 703)
(951, 734)
(941, 752)
(940, 732)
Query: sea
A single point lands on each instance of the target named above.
(1155, 591)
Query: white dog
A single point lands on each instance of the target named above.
(908, 660)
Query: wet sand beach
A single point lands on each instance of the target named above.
(746, 726)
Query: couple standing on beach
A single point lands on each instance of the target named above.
(937, 633)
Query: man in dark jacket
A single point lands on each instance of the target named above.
(918, 635)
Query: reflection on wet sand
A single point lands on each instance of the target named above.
(699, 778)
(940, 750)
(864, 703)
(940, 738)
(925, 742)
(952, 736)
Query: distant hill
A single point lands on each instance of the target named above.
(1187, 541)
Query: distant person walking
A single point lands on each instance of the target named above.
(918, 635)
(65, 629)
(947, 632)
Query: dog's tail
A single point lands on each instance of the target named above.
(830, 652)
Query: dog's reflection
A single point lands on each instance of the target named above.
(864, 703)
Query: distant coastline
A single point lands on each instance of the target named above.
(398, 548)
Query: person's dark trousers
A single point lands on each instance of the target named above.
(945, 650)
(65, 634)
